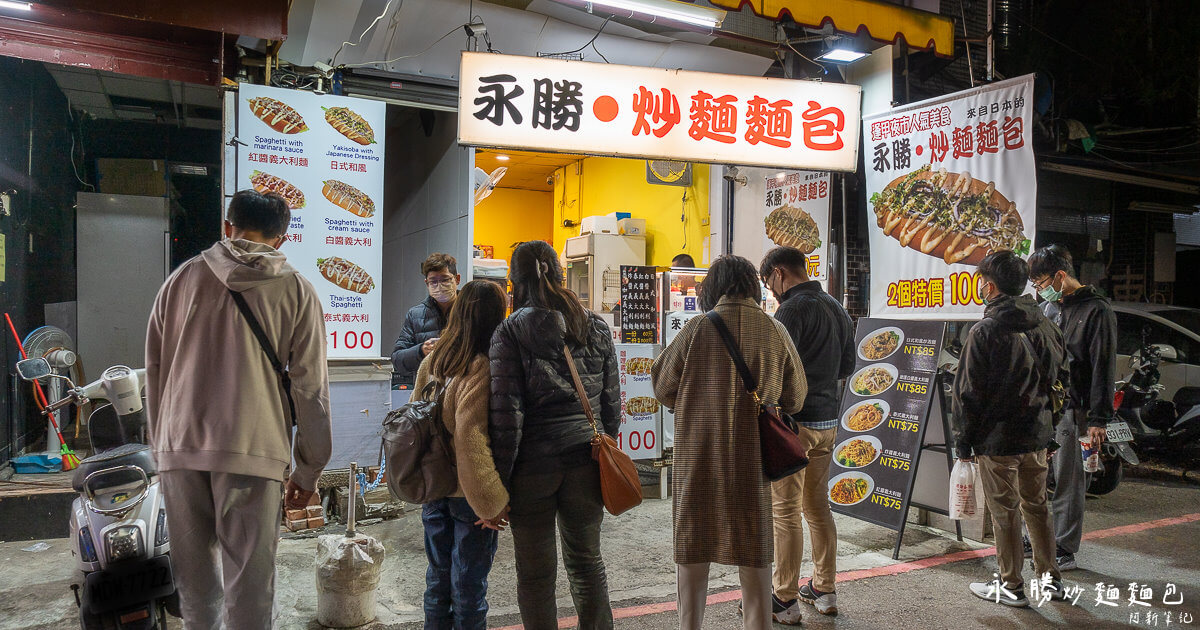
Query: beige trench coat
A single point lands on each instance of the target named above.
(722, 501)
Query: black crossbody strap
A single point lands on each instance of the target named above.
(259, 334)
(734, 353)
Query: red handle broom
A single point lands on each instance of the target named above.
(70, 461)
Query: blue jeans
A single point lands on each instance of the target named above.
(460, 557)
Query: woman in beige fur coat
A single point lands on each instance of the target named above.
(461, 530)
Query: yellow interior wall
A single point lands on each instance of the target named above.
(599, 186)
(510, 215)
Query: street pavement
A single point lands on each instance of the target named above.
(1146, 532)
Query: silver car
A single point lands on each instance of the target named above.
(1177, 328)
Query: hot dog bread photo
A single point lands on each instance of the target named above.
(345, 274)
(265, 183)
(278, 115)
(949, 215)
(349, 198)
(350, 124)
(793, 227)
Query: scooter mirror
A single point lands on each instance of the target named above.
(33, 369)
(1167, 352)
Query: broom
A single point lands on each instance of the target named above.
(69, 460)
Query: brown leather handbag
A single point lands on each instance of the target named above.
(619, 483)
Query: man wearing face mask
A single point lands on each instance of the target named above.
(1090, 329)
(1002, 418)
(425, 321)
(824, 338)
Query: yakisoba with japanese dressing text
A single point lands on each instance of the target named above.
(949, 215)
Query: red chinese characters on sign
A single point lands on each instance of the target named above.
(919, 293)
(823, 127)
(939, 146)
(358, 167)
(271, 158)
(295, 237)
(769, 122)
(347, 317)
(907, 124)
(347, 240)
(1014, 133)
(987, 138)
(662, 109)
(713, 118)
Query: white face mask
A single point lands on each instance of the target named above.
(443, 292)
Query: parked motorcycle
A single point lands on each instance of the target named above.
(1157, 424)
(119, 523)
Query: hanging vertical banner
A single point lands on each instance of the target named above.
(796, 214)
(324, 155)
(640, 412)
(949, 181)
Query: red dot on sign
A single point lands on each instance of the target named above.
(920, 149)
(605, 108)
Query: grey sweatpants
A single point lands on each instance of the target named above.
(224, 531)
(1070, 484)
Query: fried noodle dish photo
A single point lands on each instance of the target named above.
(848, 491)
(865, 417)
(880, 345)
(872, 381)
(856, 454)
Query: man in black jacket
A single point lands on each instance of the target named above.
(1090, 330)
(425, 321)
(1002, 419)
(824, 338)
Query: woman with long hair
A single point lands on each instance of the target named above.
(461, 530)
(722, 500)
(541, 438)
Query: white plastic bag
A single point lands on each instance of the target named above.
(965, 491)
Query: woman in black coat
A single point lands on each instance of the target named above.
(541, 438)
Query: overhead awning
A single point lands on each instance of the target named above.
(883, 22)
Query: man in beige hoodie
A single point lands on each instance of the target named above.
(220, 421)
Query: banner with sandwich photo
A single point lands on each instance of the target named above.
(949, 181)
(796, 214)
(324, 155)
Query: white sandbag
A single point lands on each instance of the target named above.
(347, 575)
(966, 498)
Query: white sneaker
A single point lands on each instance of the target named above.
(786, 613)
(825, 603)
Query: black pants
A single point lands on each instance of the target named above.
(572, 498)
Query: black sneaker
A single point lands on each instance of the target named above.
(1026, 546)
(1065, 560)
(825, 603)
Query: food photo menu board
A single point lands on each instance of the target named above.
(324, 155)
(883, 417)
(640, 411)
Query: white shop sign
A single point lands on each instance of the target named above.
(629, 111)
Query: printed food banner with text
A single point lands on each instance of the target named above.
(796, 214)
(949, 181)
(641, 413)
(324, 155)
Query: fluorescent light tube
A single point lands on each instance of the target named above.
(670, 10)
(10, 4)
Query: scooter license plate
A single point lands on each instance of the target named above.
(112, 589)
(1119, 432)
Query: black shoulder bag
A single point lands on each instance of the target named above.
(783, 453)
(256, 328)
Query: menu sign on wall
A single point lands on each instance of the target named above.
(796, 214)
(949, 181)
(639, 304)
(640, 412)
(324, 155)
(883, 418)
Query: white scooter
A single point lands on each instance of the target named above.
(119, 523)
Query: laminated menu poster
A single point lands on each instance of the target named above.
(639, 304)
(883, 417)
(324, 155)
(949, 180)
(640, 411)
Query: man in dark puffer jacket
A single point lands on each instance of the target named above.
(1002, 418)
(425, 321)
(541, 437)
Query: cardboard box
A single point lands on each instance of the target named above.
(132, 177)
(295, 515)
(632, 227)
(297, 526)
(598, 225)
(316, 521)
(314, 510)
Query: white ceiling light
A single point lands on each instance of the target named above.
(502, 158)
(9, 4)
(669, 10)
(841, 55)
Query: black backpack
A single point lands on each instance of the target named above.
(419, 449)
